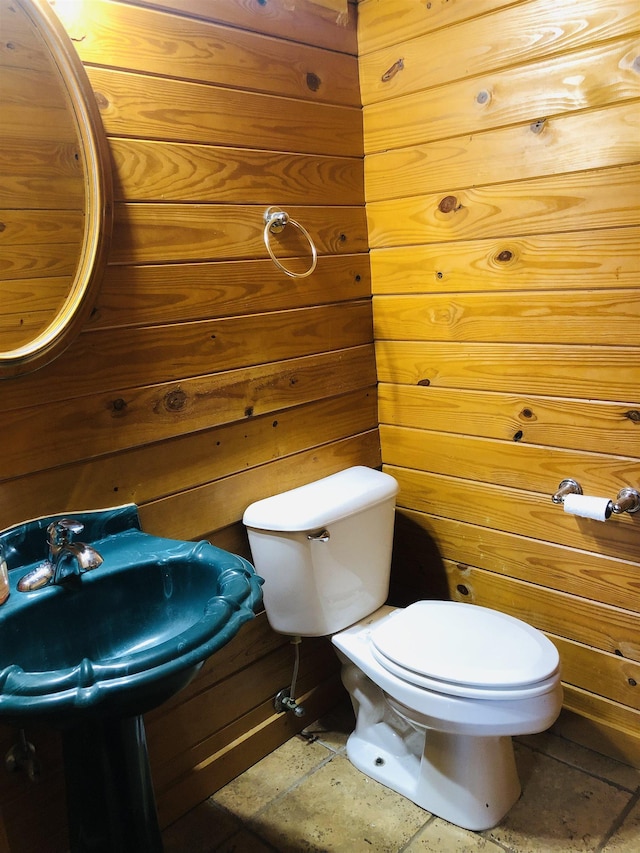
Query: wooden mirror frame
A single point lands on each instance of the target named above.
(98, 210)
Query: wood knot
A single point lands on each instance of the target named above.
(633, 415)
(174, 401)
(424, 382)
(448, 204)
(118, 406)
(101, 100)
(313, 81)
(504, 256)
(391, 72)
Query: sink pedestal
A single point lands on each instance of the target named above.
(110, 797)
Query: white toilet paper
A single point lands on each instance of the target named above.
(588, 507)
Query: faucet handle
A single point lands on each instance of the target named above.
(61, 532)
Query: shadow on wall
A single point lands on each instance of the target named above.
(417, 570)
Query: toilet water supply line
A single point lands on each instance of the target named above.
(285, 698)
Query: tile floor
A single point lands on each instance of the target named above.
(307, 798)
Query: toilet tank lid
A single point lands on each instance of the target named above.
(321, 502)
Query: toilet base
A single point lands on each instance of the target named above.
(468, 780)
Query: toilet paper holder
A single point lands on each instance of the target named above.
(628, 499)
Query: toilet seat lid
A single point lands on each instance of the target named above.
(465, 645)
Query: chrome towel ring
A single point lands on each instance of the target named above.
(275, 221)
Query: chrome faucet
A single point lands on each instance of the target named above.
(60, 547)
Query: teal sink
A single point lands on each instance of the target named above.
(120, 638)
(107, 645)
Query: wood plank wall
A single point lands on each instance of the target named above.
(206, 378)
(41, 182)
(502, 173)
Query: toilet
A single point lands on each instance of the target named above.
(439, 687)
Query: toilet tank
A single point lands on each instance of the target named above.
(324, 550)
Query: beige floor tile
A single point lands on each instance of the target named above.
(338, 809)
(627, 838)
(442, 837)
(561, 808)
(267, 779)
(202, 830)
(585, 759)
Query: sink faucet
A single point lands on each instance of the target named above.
(60, 548)
(60, 545)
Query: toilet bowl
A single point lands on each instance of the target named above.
(443, 742)
(438, 688)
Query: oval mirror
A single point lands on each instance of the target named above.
(55, 188)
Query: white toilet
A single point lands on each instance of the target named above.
(439, 687)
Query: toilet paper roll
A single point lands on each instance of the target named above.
(588, 507)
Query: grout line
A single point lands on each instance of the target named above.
(617, 823)
(417, 833)
(322, 763)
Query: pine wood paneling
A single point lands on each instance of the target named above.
(607, 258)
(548, 421)
(511, 463)
(585, 317)
(544, 146)
(162, 293)
(386, 24)
(205, 378)
(549, 204)
(224, 501)
(509, 36)
(618, 719)
(593, 77)
(152, 41)
(502, 203)
(115, 360)
(42, 174)
(510, 551)
(137, 104)
(516, 510)
(600, 672)
(147, 233)
(163, 171)
(558, 371)
(304, 21)
(129, 471)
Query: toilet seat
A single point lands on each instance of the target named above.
(465, 651)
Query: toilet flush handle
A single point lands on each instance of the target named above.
(319, 536)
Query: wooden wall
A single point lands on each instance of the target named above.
(41, 182)
(502, 185)
(206, 378)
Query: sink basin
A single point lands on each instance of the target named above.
(92, 653)
(121, 638)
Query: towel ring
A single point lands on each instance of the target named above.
(275, 221)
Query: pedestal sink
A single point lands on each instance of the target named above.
(92, 653)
